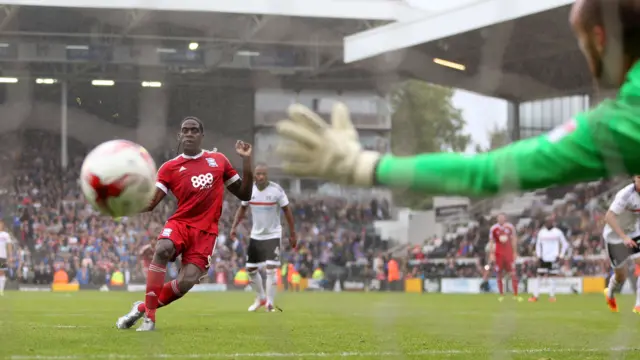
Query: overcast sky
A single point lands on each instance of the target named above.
(482, 113)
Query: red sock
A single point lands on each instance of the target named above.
(514, 284)
(155, 281)
(499, 281)
(169, 293)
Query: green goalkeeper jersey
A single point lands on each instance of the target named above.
(599, 143)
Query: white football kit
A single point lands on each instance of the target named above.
(551, 244)
(626, 206)
(266, 206)
(5, 240)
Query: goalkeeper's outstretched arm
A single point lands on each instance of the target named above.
(601, 143)
(597, 144)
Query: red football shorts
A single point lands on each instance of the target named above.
(195, 246)
(504, 262)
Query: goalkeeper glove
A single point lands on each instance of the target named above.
(315, 149)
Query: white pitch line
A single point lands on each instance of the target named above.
(308, 355)
(70, 326)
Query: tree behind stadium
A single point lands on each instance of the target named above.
(424, 120)
(498, 137)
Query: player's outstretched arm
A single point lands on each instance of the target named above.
(611, 218)
(564, 245)
(157, 197)
(538, 248)
(288, 214)
(600, 143)
(243, 188)
(242, 210)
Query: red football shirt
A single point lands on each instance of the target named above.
(198, 183)
(501, 236)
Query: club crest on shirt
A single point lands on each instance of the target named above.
(561, 131)
(212, 162)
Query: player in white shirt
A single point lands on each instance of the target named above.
(266, 201)
(621, 236)
(551, 247)
(5, 248)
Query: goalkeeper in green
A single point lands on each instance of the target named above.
(599, 143)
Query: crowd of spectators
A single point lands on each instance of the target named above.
(55, 229)
(578, 211)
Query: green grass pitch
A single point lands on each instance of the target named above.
(59, 326)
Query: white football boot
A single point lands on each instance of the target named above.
(147, 325)
(130, 319)
(257, 304)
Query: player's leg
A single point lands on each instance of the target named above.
(272, 286)
(257, 284)
(165, 251)
(499, 274)
(616, 281)
(174, 289)
(554, 271)
(188, 277)
(3, 277)
(168, 246)
(271, 254)
(541, 275)
(196, 259)
(3, 282)
(254, 262)
(170, 292)
(636, 308)
(619, 255)
(510, 266)
(499, 278)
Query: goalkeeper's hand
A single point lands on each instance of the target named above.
(312, 148)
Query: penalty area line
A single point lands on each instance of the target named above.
(310, 355)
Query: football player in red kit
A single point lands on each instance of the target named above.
(197, 178)
(504, 247)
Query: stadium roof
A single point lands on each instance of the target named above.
(513, 49)
(293, 44)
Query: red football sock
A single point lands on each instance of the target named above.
(169, 293)
(499, 281)
(155, 281)
(514, 284)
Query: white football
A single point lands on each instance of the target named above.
(118, 178)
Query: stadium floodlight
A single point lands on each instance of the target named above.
(8, 80)
(77, 47)
(193, 46)
(102, 82)
(154, 84)
(45, 81)
(166, 50)
(449, 64)
(247, 53)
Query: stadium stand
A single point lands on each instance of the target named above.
(55, 229)
(579, 213)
